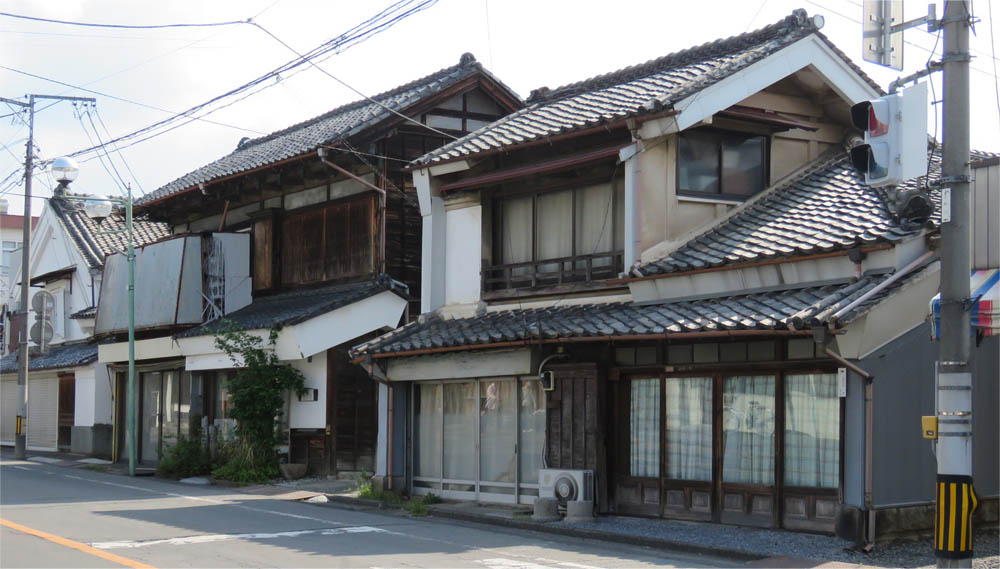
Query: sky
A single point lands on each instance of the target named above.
(526, 43)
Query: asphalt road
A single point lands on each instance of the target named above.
(53, 516)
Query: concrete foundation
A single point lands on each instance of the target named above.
(919, 519)
(546, 510)
(95, 440)
(579, 511)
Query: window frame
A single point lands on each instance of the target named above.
(721, 136)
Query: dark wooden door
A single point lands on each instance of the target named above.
(576, 424)
(67, 409)
(352, 415)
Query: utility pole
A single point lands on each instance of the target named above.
(20, 438)
(954, 496)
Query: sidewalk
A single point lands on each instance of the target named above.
(750, 547)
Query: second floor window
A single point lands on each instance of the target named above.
(556, 237)
(714, 163)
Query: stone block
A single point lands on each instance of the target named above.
(546, 510)
(579, 511)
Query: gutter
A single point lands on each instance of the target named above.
(919, 262)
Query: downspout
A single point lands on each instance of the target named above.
(388, 436)
(629, 155)
(382, 205)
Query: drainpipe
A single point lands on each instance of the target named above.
(388, 436)
(630, 155)
(881, 286)
(382, 202)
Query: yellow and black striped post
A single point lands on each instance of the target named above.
(956, 502)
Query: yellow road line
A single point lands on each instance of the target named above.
(76, 545)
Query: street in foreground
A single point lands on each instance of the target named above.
(60, 517)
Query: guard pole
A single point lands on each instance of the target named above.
(955, 498)
(20, 438)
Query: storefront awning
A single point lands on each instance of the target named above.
(984, 315)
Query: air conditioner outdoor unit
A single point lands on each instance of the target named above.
(566, 485)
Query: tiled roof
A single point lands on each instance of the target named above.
(827, 207)
(89, 312)
(59, 356)
(92, 239)
(635, 90)
(775, 310)
(342, 122)
(292, 307)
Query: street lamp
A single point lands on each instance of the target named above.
(65, 170)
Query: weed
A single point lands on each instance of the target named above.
(187, 457)
(367, 492)
(417, 508)
(96, 467)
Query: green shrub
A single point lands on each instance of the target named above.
(431, 498)
(243, 463)
(187, 457)
(417, 508)
(367, 492)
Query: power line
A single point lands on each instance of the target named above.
(123, 26)
(993, 47)
(359, 33)
(120, 155)
(116, 98)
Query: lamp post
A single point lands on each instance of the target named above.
(65, 171)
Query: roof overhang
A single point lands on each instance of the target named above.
(811, 51)
(52, 276)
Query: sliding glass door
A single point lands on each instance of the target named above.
(478, 439)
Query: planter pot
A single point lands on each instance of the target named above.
(292, 471)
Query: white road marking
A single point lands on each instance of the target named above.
(501, 563)
(566, 563)
(94, 461)
(210, 538)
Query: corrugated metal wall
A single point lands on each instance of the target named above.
(43, 412)
(904, 465)
(986, 215)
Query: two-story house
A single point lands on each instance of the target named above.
(313, 230)
(11, 234)
(69, 394)
(671, 277)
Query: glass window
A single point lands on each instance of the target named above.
(748, 429)
(427, 427)
(644, 428)
(497, 430)
(689, 428)
(812, 431)
(532, 429)
(727, 164)
(460, 414)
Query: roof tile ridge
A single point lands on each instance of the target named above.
(796, 21)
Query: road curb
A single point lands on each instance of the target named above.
(563, 530)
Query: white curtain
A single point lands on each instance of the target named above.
(748, 429)
(532, 429)
(689, 428)
(554, 231)
(812, 431)
(516, 233)
(460, 408)
(497, 430)
(427, 424)
(594, 221)
(645, 428)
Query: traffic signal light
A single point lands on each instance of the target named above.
(895, 128)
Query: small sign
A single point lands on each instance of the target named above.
(841, 382)
(945, 205)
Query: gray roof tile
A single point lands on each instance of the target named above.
(307, 136)
(634, 90)
(774, 310)
(288, 308)
(59, 356)
(93, 240)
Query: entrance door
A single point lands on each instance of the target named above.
(151, 397)
(746, 488)
(67, 409)
(351, 414)
(689, 436)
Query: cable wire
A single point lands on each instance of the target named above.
(123, 26)
(993, 48)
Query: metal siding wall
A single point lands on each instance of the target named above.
(986, 218)
(904, 464)
(8, 410)
(43, 412)
(854, 442)
(986, 420)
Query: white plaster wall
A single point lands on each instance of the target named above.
(463, 244)
(103, 405)
(85, 396)
(310, 414)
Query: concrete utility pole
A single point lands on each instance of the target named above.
(955, 499)
(20, 437)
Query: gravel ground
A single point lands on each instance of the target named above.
(777, 543)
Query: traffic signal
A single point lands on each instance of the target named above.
(895, 127)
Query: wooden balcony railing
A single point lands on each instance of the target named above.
(553, 272)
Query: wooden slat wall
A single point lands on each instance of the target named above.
(576, 423)
(329, 243)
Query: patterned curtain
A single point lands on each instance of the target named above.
(812, 431)
(645, 428)
(689, 428)
(748, 429)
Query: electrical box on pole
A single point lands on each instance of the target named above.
(895, 128)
